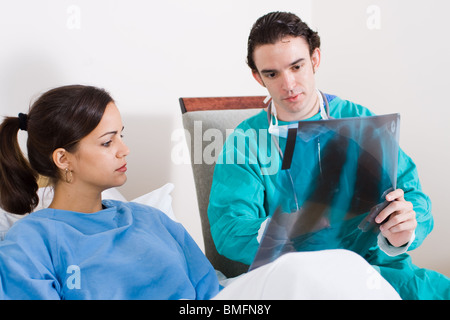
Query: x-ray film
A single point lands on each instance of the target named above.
(338, 174)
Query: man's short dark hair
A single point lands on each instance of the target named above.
(273, 27)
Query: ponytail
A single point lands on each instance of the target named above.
(18, 181)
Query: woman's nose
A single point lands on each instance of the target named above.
(123, 151)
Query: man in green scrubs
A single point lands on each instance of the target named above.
(284, 54)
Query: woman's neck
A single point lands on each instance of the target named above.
(67, 197)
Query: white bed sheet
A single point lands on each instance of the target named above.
(319, 275)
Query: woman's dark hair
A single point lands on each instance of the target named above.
(59, 118)
(273, 27)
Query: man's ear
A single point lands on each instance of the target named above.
(257, 77)
(61, 158)
(315, 59)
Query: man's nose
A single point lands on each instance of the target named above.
(288, 81)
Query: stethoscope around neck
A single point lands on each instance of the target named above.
(289, 132)
(282, 131)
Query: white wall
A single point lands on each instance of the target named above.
(392, 56)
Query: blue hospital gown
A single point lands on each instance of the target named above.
(126, 251)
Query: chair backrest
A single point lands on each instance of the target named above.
(200, 115)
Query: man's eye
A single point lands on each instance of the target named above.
(271, 75)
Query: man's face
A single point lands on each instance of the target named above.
(287, 70)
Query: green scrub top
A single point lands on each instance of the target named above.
(246, 191)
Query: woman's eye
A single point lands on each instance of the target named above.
(107, 144)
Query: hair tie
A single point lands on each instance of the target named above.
(23, 121)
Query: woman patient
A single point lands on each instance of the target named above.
(84, 248)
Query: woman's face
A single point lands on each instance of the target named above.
(99, 162)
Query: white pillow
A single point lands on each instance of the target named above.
(159, 199)
(6, 221)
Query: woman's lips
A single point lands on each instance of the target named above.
(122, 168)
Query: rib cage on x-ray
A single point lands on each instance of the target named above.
(340, 173)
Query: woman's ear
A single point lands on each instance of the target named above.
(61, 158)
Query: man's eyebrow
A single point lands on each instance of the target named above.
(268, 71)
(110, 132)
(297, 61)
(273, 70)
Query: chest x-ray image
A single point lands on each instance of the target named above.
(333, 186)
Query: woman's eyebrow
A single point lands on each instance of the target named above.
(110, 132)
